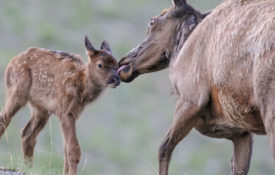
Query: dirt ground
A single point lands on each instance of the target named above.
(9, 172)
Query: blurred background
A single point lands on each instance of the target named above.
(120, 133)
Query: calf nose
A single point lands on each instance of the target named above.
(114, 79)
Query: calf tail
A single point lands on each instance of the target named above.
(4, 122)
(8, 77)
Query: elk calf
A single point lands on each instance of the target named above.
(57, 83)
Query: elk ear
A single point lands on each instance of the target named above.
(105, 46)
(179, 3)
(89, 47)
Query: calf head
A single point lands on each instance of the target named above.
(102, 66)
(166, 34)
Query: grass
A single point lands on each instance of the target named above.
(44, 163)
(40, 166)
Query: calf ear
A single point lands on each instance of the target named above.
(105, 46)
(89, 47)
(179, 3)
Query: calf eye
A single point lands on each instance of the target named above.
(99, 66)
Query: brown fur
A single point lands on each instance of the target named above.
(57, 83)
(223, 74)
(165, 37)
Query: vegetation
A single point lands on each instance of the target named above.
(125, 138)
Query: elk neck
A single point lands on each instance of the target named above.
(182, 33)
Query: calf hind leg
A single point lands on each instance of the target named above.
(14, 102)
(31, 130)
(17, 96)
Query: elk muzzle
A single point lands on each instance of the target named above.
(136, 61)
(127, 73)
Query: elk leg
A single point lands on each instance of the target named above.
(270, 128)
(31, 130)
(242, 154)
(72, 149)
(185, 118)
(265, 97)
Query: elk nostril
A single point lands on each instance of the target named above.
(140, 47)
(126, 69)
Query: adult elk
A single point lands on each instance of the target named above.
(223, 74)
(57, 83)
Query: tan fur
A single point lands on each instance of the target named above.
(234, 55)
(224, 75)
(54, 83)
(164, 11)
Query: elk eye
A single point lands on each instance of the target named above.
(99, 66)
(152, 22)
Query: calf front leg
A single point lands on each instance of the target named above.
(186, 116)
(242, 154)
(66, 163)
(72, 149)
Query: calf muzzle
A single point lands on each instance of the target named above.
(113, 81)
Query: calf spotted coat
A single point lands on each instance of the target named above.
(57, 83)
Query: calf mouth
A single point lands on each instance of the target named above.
(113, 85)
